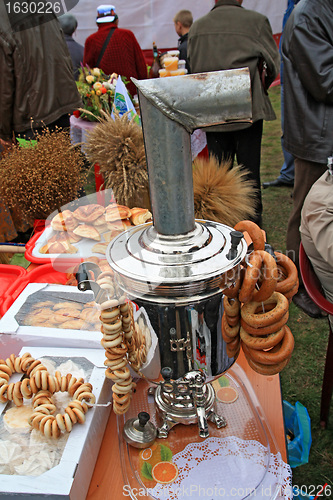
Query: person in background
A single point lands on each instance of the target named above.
(286, 177)
(114, 50)
(307, 48)
(317, 231)
(230, 37)
(69, 24)
(183, 20)
(37, 87)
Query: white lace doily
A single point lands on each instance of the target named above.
(227, 468)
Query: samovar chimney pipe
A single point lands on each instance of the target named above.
(171, 109)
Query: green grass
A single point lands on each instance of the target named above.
(301, 380)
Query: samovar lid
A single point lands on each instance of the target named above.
(148, 263)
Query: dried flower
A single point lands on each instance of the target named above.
(116, 144)
(39, 179)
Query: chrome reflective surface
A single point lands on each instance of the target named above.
(169, 269)
(188, 337)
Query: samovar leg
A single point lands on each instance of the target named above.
(216, 419)
(168, 423)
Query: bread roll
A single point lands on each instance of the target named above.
(88, 213)
(140, 215)
(117, 212)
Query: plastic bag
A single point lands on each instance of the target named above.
(298, 429)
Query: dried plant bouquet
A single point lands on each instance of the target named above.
(39, 179)
(222, 194)
(116, 144)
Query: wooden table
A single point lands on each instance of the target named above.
(107, 480)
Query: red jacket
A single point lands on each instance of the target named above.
(123, 54)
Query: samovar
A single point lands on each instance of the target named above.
(176, 268)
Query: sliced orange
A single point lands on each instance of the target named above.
(164, 472)
(227, 394)
(146, 453)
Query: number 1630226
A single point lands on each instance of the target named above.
(16, 7)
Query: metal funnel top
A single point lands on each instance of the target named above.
(202, 99)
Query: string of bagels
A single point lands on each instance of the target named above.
(256, 306)
(39, 386)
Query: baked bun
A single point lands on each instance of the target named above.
(100, 248)
(119, 225)
(117, 212)
(88, 213)
(87, 231)
(63, 221)
(61, 246)
(72, 237)
(73, 324)
(100, 221)
(140, 216)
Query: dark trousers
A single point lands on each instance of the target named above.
(306, 174)
(245, 146)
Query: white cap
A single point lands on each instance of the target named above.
(106, 14)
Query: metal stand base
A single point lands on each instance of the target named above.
(187, 414)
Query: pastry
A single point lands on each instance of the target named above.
(63, 221)
(140, 216)
(100, 248)
(73, 324)
(115, 212)
(100, 221)
(119, 225)
(88, 213)
(87, 231)
(63, 246)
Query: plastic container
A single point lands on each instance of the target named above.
(178, 72)
(163, 73)
(173, 53)
(9, 275)
(170, 63)
(41, 274)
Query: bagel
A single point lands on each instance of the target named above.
(232, 289)
(232, 352)
(258, 320)
(226, 337)
(51, 426)
(232, 320)
(290, 271)
(16, 391)
(230, 331)
(265, 330)
(231, 306)
(259, 343)
(267, 369)
(253, 231)
(118, 329)
(279, 353)
(257, 260)
(289, 295)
